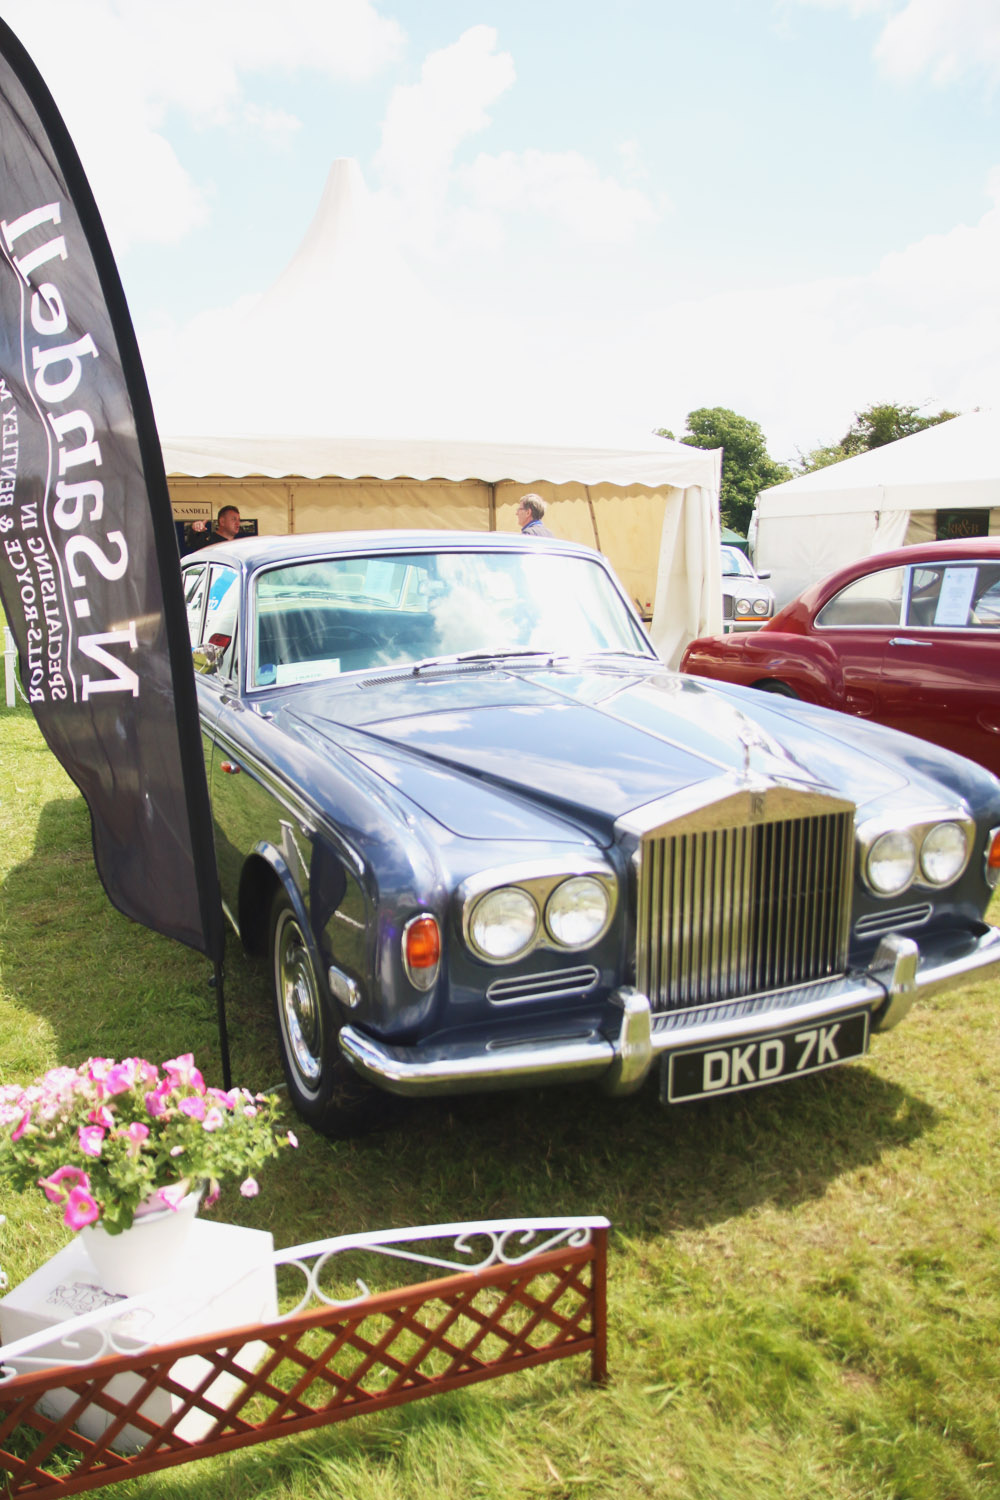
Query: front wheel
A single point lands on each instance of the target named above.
(323, 1087)
(781, 689)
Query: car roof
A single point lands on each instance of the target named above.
(251, 552)
(952, 550)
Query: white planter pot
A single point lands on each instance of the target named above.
(145, 1256)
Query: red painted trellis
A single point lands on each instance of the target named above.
(518, 1308)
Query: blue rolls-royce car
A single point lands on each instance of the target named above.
(487, 839)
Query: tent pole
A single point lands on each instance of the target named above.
(593, 519)
(493, 506)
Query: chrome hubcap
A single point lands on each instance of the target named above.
(298, 1001)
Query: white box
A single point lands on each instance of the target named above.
(224, 1279)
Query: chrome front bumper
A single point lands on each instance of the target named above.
(900, 974)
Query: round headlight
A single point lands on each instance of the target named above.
(892, 862)
(760, 606)
(943, 854)
(743, 606)
(504, 922)
(577, 911)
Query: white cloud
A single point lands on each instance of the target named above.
(922, 326)
(425, 124)
(561, 186)
(946, 39)
(118, 68)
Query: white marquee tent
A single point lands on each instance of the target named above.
(654, 514)
(346, 340)
(887, 497)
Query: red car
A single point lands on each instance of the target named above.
(909, 638)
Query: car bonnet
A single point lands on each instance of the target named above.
(591, 745)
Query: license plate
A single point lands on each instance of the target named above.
(729, 1067)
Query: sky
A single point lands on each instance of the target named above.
(560, 221)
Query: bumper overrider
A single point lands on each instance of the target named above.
(736, 1043)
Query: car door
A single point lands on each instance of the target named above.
(941, 672)
(857, 624)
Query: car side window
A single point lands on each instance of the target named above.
(195, 580)
(954, 596)
(876, 599)
(986, 605)
(221, 616)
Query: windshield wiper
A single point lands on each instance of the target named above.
(506, 653)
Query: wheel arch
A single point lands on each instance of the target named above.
(264, 874)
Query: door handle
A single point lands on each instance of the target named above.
(908, 640)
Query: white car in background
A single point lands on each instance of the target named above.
(746, 600)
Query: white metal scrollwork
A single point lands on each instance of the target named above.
(448, 1248)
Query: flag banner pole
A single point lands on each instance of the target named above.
(89, 574)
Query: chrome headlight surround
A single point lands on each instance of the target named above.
(932, 851)
(563, 905)
(761, 606)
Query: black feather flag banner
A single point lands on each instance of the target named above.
(88, 554)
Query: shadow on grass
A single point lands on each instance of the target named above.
(103, 984)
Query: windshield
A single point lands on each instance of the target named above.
(321, 617)
(736, 564)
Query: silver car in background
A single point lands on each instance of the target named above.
(746, 600)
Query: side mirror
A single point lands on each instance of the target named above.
(206, 658)
(763, 572)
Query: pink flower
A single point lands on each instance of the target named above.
(250, 1188)
(181, 1070)
(53, 1185)
(212, 1120)
(81, 1209)
(101, 1115)
(194, 1106)
(211, 1198)
(21, 1126)
(293, 1139)
(227, 1101)
(91, 1138)
(156, 1100)
(136, 1134)
(120, 1077)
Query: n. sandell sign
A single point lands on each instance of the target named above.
(88, 556)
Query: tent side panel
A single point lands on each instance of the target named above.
(363, 504)
(799, 549)
(625, 523)
(266, 501)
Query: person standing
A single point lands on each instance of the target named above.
(529, 516)
(227, 529)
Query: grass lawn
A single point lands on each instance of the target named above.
(804, 1291)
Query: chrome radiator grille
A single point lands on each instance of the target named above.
(737, 911)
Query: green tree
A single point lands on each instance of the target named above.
(872, 428)
(747, 467)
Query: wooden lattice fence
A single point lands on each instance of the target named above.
(536, 1292)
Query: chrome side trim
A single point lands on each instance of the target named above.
(878, 923)
(556, 984)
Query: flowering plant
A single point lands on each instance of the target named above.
(105, 1137)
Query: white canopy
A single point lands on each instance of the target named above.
(654, 514)
(670, 465)
(811, 525)
(346, 340)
